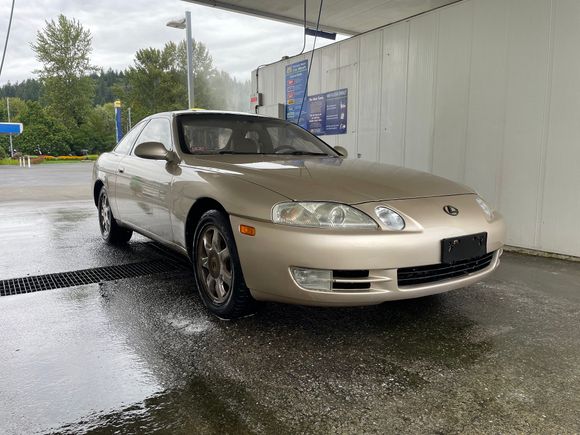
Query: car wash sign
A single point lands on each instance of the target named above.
(327, 113)
(296, 87)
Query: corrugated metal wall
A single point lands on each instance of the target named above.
(485, 92)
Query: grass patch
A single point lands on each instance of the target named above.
(36, 160)
(8, 162)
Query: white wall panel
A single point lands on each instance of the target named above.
(452, 91)
(369, 95)
(420, 95)
(482, 91)
(485, 126)
(348, 70)
(280, 71)
(560, 230)
(526, 110)
(393, 93)
(315, 81)
(329, 77)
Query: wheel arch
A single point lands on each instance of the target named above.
(199, 207)
(97, 190)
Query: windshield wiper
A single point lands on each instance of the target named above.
(302, 153)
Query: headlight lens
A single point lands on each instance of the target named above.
(321, 215)
(390, 218)
(486, 208)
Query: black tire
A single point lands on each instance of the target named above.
(212, 264)
(111, 231)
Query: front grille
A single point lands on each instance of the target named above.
(86, 276)
(409, 276)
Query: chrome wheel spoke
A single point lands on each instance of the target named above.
(207, 242)
(215, 240)
(205, 263)
(226, 277)
(224, 256)
(210, 283)
(219, 286)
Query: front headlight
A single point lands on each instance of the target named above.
(486, 208)
(393, 220)
(321, 215)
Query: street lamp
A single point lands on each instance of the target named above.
(185, 23)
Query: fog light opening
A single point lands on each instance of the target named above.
(312, 279)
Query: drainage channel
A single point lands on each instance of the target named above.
(52, 281)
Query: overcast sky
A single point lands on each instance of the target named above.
(238, 43)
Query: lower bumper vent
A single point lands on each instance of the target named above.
(350, 280)
(409, 276)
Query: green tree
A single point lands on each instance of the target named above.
(99, 130)
(157, 81)
(28, 89)
(17, 107)
(154, 83)
(64, 47)
(43, 133)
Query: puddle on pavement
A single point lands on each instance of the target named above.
(61, 360)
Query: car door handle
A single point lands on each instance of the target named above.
(121, 170)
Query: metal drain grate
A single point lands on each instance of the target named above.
(52, 281)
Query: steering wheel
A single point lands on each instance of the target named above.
(282, 148)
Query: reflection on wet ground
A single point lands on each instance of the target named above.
(141, 355)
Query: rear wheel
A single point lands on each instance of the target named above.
(111, 231)
(217, 268)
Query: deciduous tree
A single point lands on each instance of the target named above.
(64, 47)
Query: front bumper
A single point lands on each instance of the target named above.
(266, 258)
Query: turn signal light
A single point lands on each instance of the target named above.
(247, 230)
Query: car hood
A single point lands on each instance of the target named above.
(330, 179)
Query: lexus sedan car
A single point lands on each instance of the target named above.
(266, 211)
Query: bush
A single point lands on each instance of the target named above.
(3, 153)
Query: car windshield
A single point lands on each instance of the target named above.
(239, 134)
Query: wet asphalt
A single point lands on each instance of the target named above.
(142, 355)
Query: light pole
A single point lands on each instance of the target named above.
(8, 110)
(185, 23)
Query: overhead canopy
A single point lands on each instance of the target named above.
(348, 17)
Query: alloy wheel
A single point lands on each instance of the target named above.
(105, 216)
(214, 265)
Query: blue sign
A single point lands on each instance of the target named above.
(11, 128)
(336, 111)
(118, 125)
(327, 113)
(296, 87)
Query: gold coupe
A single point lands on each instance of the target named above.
(266, 211)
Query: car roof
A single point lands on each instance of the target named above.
(203, 112)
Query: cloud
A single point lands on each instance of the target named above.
(238, 43)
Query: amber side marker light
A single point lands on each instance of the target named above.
(247, 230)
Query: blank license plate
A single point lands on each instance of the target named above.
(463, 248)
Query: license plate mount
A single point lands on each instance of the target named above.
(456, 249)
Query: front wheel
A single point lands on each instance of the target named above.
(217, 268)
(111, 231)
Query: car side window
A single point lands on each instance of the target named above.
(158, 130)
(127, 141)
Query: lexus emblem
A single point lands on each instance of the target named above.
(450, 210)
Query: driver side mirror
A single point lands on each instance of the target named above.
(153, 151)
(341, 150)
